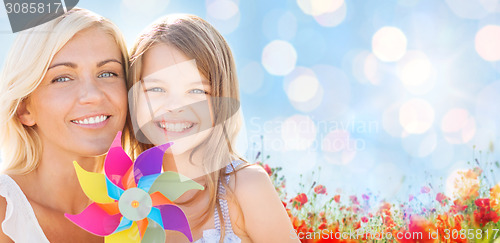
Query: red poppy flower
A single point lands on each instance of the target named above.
(299, 200)
(441, 198)
(336, 198)
(425, 189)
(320, 189)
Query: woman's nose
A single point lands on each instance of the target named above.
(90, 91)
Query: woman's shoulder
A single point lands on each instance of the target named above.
(7, 188)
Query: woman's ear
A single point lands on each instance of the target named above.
(24, 114)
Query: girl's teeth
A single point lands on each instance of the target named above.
(175, 127)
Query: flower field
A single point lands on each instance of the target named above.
(471, 215)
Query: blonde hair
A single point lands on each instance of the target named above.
(25, 68)
(198, 40)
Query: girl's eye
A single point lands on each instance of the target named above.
(107, 75)
(155, 89)
(198, 91)
(61, 80)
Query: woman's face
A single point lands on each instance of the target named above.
(81, 103)
(173, 101)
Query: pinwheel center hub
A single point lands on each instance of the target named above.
(135, 204)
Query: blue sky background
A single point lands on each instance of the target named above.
(383, 96)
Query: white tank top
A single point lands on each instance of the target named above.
(20, 222)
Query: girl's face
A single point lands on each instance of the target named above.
(81, 103)
(173, 100)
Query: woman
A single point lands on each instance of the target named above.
(184, 89)
(63, 99)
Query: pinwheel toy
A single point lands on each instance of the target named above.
(132, 202)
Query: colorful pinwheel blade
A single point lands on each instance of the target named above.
(175, 219)
(155, 215)
(128, 180)
(113, 191)
(117, 162)
(150, 161)
(110, 208)
(130, 235)
(159, 199)
(146, 181)
(142, 225)
(154, 233)
(93, 185)
(124, 224)
(173, 185)
(95, 220)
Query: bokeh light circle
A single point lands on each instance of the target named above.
(251, 77)
(222, 9)
(319, 7)
(468, 9)
(303, 89)
(335, 90)
(301, 85)
(390, 121)
(487, 111)
(389, 44)
(415, 70)
(279, 57)
(338, 147)
(487, 43)
(492, 6)
(416, 116)
(443, 154)
(298, 132)
(457, 184)
(372, 69)
(420, 145)
(458, 126)
(332, 19)
(146, 7)
(224, 15)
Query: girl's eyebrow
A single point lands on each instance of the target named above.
(203, 81)
(74, 65)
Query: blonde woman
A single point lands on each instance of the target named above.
(63, 98)
(184, 89)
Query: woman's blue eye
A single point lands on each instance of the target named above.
(107, 75)
(197, 91)
(61, 79)
(155, 89)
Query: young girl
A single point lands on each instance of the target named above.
(184, 89)
(63, 98)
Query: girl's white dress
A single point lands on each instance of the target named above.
(21, 225)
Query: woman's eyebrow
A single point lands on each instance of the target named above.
(67, 64)
(73, 65)
(100, 64)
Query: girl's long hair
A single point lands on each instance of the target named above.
(198, 40)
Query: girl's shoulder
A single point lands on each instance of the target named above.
(248, 176)
(263, 215)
